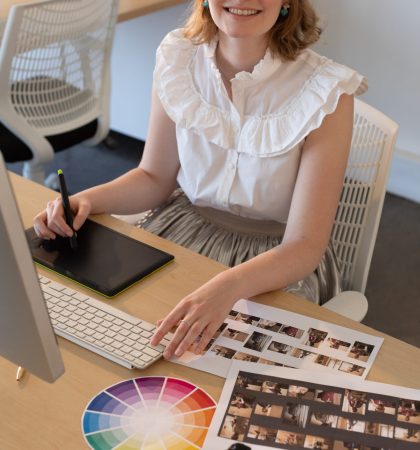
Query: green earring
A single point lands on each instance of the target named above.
(205, 4)
(284, 11)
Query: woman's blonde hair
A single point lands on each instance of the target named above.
(288, 37)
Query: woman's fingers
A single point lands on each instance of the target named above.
(206, 336)
(82, 209)
(51, 222)
(41, 228)
(184, 337)
(166, 324)
(55, 218)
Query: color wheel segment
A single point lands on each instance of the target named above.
(148, 413)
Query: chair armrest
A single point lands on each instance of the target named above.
(351, 304)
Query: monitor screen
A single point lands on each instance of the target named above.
(26, 334)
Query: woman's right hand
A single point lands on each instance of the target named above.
(51, 221)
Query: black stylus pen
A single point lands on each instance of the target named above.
(67, 210)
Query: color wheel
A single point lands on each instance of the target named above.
(148, 413)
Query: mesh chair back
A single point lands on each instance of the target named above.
(53, 61)
(357, 220)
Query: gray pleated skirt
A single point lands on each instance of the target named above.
(232, 239)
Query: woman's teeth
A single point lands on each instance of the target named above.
(243, 12)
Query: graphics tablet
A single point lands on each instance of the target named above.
(106, 261)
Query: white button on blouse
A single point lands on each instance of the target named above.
(243, 155)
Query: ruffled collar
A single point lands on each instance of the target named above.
(267, 134)
(261, 71)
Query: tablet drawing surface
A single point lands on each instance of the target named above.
(106, 261)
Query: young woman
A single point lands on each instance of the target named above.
(255, 128)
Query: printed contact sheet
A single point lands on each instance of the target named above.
(269, 407)
(257, 333)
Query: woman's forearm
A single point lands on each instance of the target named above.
(272, 270)
(133, 192)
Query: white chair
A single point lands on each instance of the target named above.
(358, 215)
(54, 79)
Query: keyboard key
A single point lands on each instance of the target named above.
(150, 351)
(80, 296)
(147, 326)
(146, 334)
(56, 286)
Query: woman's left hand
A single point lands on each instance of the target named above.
(197, 318)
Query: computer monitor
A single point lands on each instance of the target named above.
(26, 334)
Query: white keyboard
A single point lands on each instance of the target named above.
(99, 327)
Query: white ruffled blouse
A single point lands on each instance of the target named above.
(242, 156)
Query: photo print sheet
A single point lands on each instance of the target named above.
(257, 333)
(269, 407)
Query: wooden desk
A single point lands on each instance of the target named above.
(128, 9)
(37, 415)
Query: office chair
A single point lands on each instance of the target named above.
(54, 79)
(360, 207)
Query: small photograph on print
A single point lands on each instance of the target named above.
(352, 369)
(315, 337)
(361, 351)
(354, 402)
(351, 424)
(336, 344)
(269, 325)
(270, 387)
(234, 428)
(409, 411)
(379, 429)
(318, 443)
(303, 354)
(291, 331)
(278, 347)
(372, 428)
(223, 351)
(290, 438)
(250, 383)
(220, 330)
(327, 397)
(295, 414)
(407, 434)
(241, 405)
(268, 362)
(245, 357)
(386, 430)
(340, 445)
(211, 342)
(301, 392)
(323, 360)
(324, 420)
(232, 314)
(257, 341)
(236, 335)
(267, 409)
(382, 406)
(334, 363)
(262, 433)
(248, 319)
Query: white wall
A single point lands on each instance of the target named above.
(381, 39)
(133, 60)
